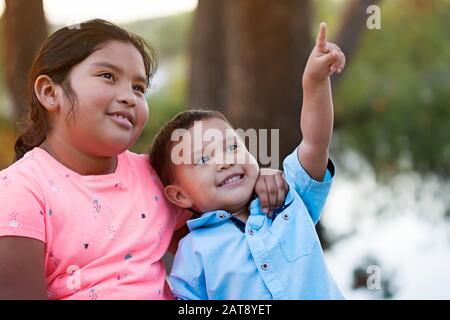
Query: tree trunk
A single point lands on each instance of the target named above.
(353, 24)
(207, 85)
(25, 29)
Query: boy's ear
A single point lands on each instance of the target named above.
(45, 90)
(177, 196)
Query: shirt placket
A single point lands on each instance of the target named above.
(264, 263)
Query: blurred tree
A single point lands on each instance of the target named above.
(25, 29)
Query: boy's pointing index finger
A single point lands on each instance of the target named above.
(321, 41)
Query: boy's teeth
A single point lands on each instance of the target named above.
(233, 179)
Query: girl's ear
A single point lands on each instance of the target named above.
(45, 90)
(177, 196)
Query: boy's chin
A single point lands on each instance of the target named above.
(238, 199)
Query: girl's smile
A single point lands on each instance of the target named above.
(123, 118)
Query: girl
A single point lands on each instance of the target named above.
(82, 217)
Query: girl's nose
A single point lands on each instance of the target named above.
(127, 97)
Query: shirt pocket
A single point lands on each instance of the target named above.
(295, 233)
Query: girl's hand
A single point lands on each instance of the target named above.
(326, 58)
(271, 189)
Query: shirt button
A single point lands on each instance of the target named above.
(265, 266)
(221, 216)
(285, 216)
(251, 232)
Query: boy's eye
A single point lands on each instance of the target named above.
(203, 160)
(232, 147)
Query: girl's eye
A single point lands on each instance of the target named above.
(203, 160)
(139, 88)
(107, 75)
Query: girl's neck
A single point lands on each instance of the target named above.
(78, 161)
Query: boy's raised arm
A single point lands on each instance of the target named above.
(317, 111)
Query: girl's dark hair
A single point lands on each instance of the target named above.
(162, 145)
(58, 54)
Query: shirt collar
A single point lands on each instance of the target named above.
(255, 220)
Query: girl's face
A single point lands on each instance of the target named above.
(110, 106)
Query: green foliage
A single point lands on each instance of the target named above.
(7, 139)
(168, 35)
(393, 103)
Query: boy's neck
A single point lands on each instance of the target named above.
(77, 161)
(241, 214)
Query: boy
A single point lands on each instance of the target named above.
(235, 251)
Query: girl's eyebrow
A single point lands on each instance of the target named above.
(117, 69)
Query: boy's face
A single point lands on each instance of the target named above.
(221, 173)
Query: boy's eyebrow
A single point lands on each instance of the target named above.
(117, 69)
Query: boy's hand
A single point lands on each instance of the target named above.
(325, 59)
(271, 189)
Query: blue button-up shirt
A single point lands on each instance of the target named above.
(278, 257)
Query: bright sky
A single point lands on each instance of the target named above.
(67, 12)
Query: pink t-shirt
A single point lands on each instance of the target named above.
(105, 235)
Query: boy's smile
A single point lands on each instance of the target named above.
(232, 180)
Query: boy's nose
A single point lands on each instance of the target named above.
(223, 166)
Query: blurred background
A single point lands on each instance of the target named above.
(386, 226)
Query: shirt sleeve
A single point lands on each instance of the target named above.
(313, 193)
(187, 277)
(22, 212)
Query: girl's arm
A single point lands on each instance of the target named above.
(22, 271)
(317, 111)
(177, 235)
